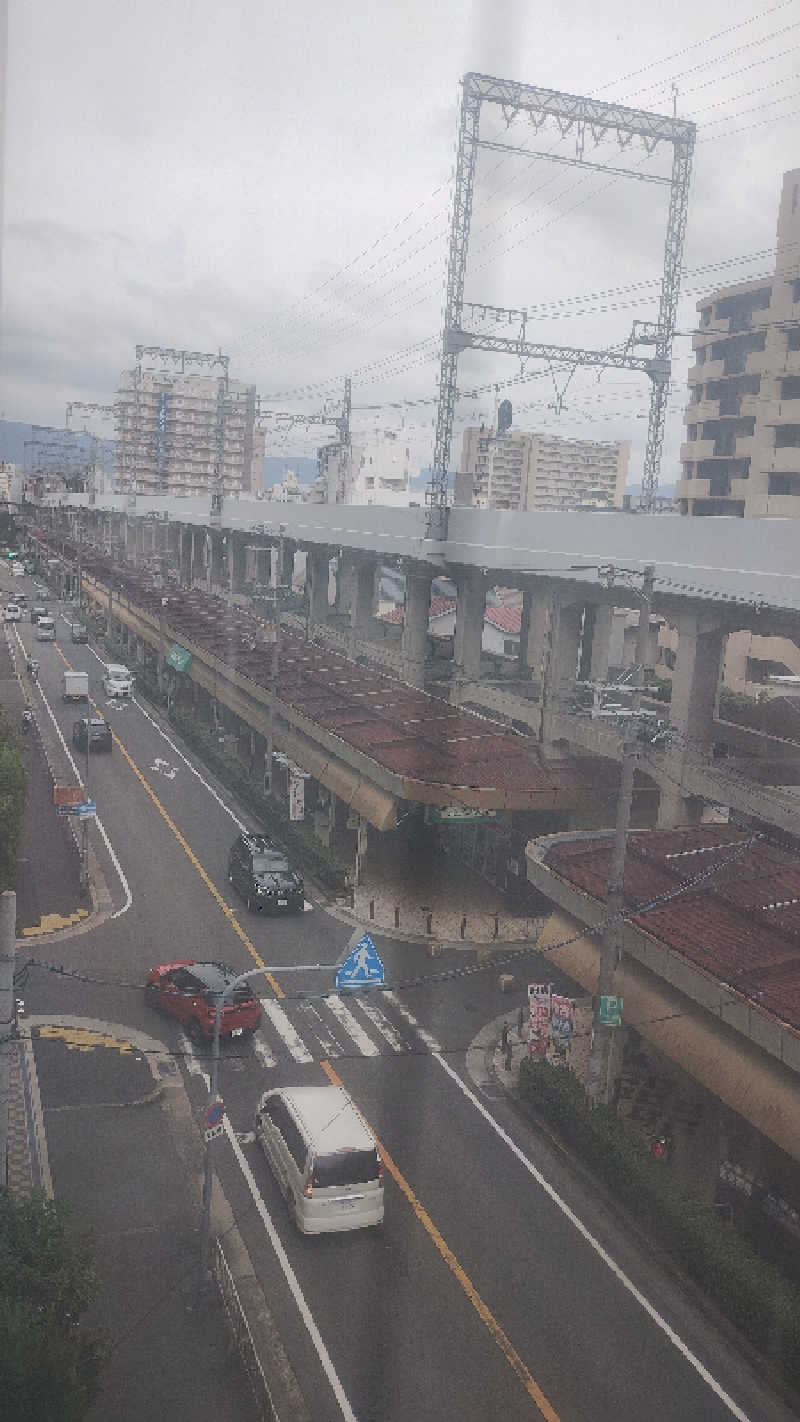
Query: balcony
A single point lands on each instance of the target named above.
(692, 488)
(785, 461)
(781, 412)
(696, 449)
(701, 410)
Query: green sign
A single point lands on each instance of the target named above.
(178, 658)
(611, 1011)
(457, 815)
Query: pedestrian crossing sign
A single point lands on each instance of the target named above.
(362, 966)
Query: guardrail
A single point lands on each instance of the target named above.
(241, 1337)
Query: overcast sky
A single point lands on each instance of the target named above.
(274, 179)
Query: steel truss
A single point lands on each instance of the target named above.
(586, 118)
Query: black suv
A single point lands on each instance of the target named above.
(79, 633)
(96, 729)
(261, 873)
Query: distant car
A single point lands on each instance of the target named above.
(96, 729)
(37, 612)
(261, 873)
(190, 991)
(79, 633)
(20, 599)
(12, 612)
(41, 591)
(117, 680)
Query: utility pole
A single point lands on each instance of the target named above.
(601, 1073)
(276, 569)
(8, 1016)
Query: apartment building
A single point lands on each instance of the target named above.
(186, 435)
(741, 457)
(513, 469)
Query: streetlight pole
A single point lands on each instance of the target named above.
(601, 1073)
(213, 1095)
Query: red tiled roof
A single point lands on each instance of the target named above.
(507, 619)
(438, 607)
(741, 925)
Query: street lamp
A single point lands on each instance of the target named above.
(213, 1095)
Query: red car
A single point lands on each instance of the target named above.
(190, 991)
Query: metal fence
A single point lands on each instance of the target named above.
(241, 1337)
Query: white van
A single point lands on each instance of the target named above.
(117, 680)
(323, 1157)
(45, 629)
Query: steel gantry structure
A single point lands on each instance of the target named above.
(585, 117)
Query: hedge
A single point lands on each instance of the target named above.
(752, 1293)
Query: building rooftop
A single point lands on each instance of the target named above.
(741, 925)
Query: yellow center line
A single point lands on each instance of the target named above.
(482, 1309)
(191, 856)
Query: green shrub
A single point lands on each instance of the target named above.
(754, 1295)
(13, 783)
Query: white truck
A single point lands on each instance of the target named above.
(76, 686)
(117, 680)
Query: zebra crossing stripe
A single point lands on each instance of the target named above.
(263, 1052)
(383, 1025)
(430, 1042)
(343, 1015)
(286, 1031)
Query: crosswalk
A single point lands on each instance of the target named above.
(308, 1030)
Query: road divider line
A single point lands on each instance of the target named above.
(291, 1278)
(195, 862)
(595, 1244)
(482, 1309)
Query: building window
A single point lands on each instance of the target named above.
(783, 484)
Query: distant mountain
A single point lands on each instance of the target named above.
(14, 436)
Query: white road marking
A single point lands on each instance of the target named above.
(192, 1064)
(382, 1024)
(425, 1037)
(164, 768)
(354, 1028)
(291, 1278)
(263, 1052)
(595, 1244)
(329, 1045)
(100, 826)
(286, 1031)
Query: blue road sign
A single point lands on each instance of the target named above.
(214, 1112)
(87, 810)
(362, 966)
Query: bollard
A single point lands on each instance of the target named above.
(504, 1038)
(508, 1057)
(496, 933)
(464, 926)
(429, 924)
(520, 1020)
(396, 916)
(372, 908)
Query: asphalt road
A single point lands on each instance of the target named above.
(481, 1296)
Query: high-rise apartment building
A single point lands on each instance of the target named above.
(512, 469)
(742, 453)
(186, 435)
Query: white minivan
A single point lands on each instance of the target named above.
(323, 1156)
(117, 680)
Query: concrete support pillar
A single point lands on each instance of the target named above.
(415, 626)
(286, 572)
(595, 642)
(317, 575)
(695, 684)
(362, 596)
(533, 633)
(470, 608)
(237, 562)
(565, 639)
